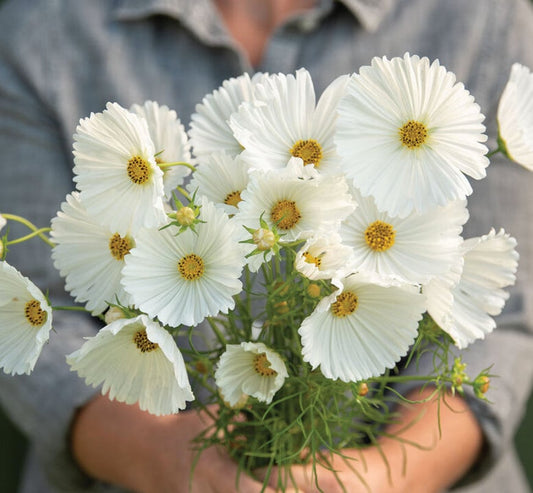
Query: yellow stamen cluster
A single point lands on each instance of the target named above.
(34, 314)
(142, 342)
(345, 304)
(413, 134)
(310, 259)
(139, 170)
(309, 151)
(191, 267)
(380, 236)
(262, 366)
(119, 246)
(233, 198)
(285, 214)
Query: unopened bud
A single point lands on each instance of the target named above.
(313, 290)
(264, 239)
(481, 385)
(185, 216)
(114, 313)
(363, 389)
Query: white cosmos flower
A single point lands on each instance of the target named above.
(297, 205)
(412, 249)
(464, 301)
(170, 142)
(3, 222)
(116, 172)
(249, 368)
(89, 256)
(221, 178)
(515, 116)
(287, 121)
(408, 134)
(181, 279)
(210, 131)
(324, 257)
(136, 360)
(362, 329)
(25, 321)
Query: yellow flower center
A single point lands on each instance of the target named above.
(285, 214)
(139, 170)
(262, 366)
(379, 236)
(144, 344)
(233, 198)
(309, 151)
(413, 134)
(310, 259)
(34, 314)
(345, 304)
(191, 267)
(119, 246)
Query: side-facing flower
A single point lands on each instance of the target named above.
(210, 131)
(89, 256)
(515, 116)
(288, 122)
(299, 206)
(136, 360)
(250, 368)
(170, 142)
(463, 302)
(181, 279)
(408, 134)
(25, 321)
(221, 178)
(362, 329)
(412, 249)
(324, 257)
(116, 172)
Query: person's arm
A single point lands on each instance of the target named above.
(122, 445)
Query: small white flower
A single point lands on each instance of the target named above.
(181, 279)
(412, 249)
(221, 178)
(408, 134)
(136, 360)
(210, 131)
(3, 222)
(89, 256)
(463, 302)
(249, 368)
(323, 257)
(515, 116)
(25, 321)
(297, 206)
(116, 172)
(170, 142)
(288, 122)
(362, 329)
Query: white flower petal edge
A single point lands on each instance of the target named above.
(25, 321)
(170, 142)
(408, 134)
(515, 116)
(82, 254)
(490, 264)
(250, 368)
(116, 172)
(362, 329)
(136, 360)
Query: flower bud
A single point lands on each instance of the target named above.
(313, 290)
(185, 216)
(264, 239)
(481, 385)
(114, 313)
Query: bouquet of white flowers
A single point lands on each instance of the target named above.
(314, 252)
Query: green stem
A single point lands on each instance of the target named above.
(28, 224)
(164, 166)
(38, 232)
(493, 152)
(71, 308)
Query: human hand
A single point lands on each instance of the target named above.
(125, 446)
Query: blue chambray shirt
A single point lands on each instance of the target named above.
(60, 60)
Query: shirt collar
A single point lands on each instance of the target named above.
(202, 15)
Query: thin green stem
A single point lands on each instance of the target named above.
(30, 225)
(70, 309)
(164, 166)
(38, 232)
(493, 152)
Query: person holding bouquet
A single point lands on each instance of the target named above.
(63, 60)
